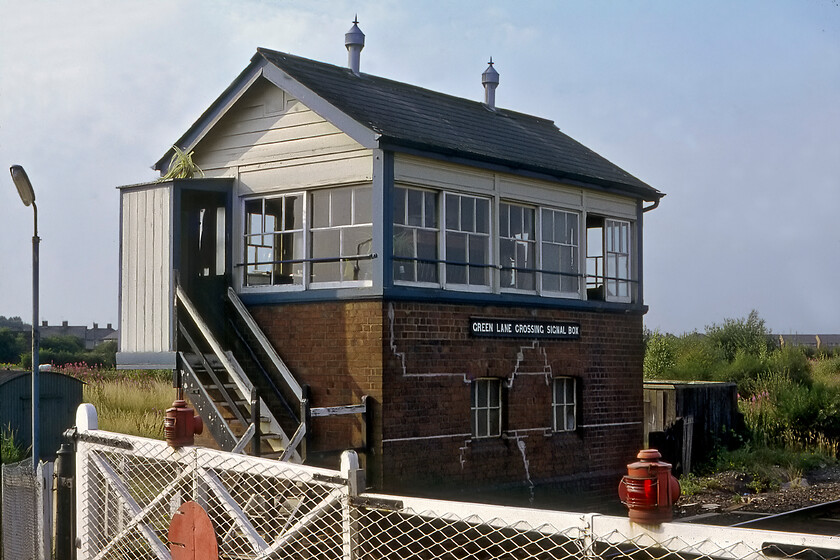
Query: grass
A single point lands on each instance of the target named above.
(127, 401)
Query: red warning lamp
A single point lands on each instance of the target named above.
(181, 425)
(649, 490)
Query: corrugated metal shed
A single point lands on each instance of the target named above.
(61, 395)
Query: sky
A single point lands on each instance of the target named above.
(730, 108)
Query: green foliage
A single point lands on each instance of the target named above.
(127, 401)
(749, 336)
(659, 356)
(182, 166)
(790, 401)
(10, 452)
(12, 345)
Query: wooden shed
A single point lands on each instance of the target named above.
(60, 397)
(685, 420)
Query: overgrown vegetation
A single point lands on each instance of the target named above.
(127, 401)
(10, 451)
(789, 396)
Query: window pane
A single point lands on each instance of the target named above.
(482, 429)
(415, 208)
(293, 213)
(325, 243)
(507, 257)
(341, 206)
(427, 249)
(528, 223)
(482, 215)
(467, 214)
(547, 226)
(253, 216)
(361, 205)
(430, 202)
(320, 209)
(560, 227)
(515, 221)
(570, 418)
(493, 387)
(399, 205)
(453, 212)
(456, 247)
(494, 421)
(478, 255)
(403, 242)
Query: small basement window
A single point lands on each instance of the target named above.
(486, 407)
(564, 404)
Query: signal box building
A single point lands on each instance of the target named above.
(452, 288)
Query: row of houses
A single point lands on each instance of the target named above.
(91, 337)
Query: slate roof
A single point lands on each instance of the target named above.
(414, 117)
(410, 117)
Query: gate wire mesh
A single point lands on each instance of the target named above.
(23, 494)
(130, 487)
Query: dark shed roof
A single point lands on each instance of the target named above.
(410, 117)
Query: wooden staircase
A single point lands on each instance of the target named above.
(225, 396)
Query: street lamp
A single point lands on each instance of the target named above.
(27, 195)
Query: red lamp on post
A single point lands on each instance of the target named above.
(649, 490)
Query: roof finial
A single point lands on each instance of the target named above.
(490, 81)
(354, 40)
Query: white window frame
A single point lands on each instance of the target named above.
(560, 407)
(294, 286)
(446, 199)
(486, 410)
(416, 230)
(341, 229)
(574, 245)
(618, 266)
(528, 240)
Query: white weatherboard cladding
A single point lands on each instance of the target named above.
(273, 142)
(145, 277)
(607, 205)
(431, 173)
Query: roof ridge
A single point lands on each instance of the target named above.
(362, 75)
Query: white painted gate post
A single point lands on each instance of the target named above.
(355, 478)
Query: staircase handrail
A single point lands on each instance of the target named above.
(266, 346)
(235, 373)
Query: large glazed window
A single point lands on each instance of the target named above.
(467, 240)
(517, 247)
(415, 236)
(274, 241)
(486, 407)
(341, 230)
(559, 251)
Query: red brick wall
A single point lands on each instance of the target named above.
(416, 360)
(336, 349)
(426, 411)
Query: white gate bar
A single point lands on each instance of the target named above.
(145, 511)
(704, 540)
(160, 550)
(310, 518)
(232, 508)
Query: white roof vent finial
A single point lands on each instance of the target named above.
(490, 81)
(354, 40)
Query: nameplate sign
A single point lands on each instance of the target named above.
(518, 328)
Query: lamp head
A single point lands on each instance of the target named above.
(24, 187)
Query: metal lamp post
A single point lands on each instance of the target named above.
(27, 195)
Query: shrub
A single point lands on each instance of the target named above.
(659, 356)
(746, 335)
